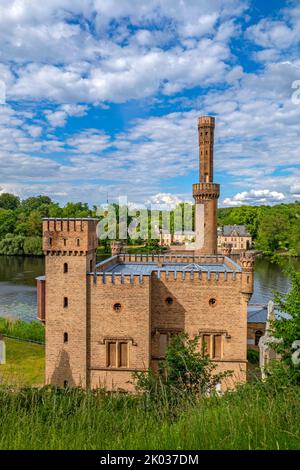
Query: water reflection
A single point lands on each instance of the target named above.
(18, 286)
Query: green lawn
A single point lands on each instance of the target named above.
(256, 416)
(24, 363)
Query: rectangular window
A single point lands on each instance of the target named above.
(111, 354)
(206, 344)
(212, 345)
(163, 342)
(217, 342)
(123, 355)
(117, 354)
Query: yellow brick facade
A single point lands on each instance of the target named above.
(102, 324)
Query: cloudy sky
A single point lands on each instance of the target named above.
(102, 97)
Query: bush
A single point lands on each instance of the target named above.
(12, 245)
(33, 246)
(253, 356)
(185, 371)
(33, 331)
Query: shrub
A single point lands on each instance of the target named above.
(33, 331)
(184, 371)
(253, 356)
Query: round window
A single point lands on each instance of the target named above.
(169, 300)
(212, 302)
(117, 307)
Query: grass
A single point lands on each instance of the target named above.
(32, 331)
(256, 416)
(251, 418)
(24, 363)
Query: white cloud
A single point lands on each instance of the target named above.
(64, 66)
(167, 200)
(253, 197)
(99, 58)
(277, 37)
(58, 118)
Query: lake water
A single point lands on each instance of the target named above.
(18, 285)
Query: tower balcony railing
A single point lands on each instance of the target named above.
(206, 191)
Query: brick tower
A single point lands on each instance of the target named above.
(70, 253)
(206, 192)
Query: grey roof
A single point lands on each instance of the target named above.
(227, 230)
(148, 268)
(259, 314)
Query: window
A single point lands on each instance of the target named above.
(123, 355)
(117, 307)
(78, 242)
(66, 302)
(65, 267)
(111, 354)
(65, 383)
(169, 300)
(91, 265)
(212, 302)
(163, 343)
(50, 241)
(258, 335)
(66, 337)
(212, 345)
(206, 344)
(65, 242)
(117, 354)
(217, 342)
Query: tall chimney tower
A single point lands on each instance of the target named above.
(206, 192)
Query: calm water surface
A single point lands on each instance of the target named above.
(18, 291)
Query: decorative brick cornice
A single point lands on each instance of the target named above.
(205, 191)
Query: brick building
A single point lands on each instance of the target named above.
(236, 235)
(103, 321)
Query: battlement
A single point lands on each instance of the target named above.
(206, 121)
(69, 235)
(160, 259)
(202, 277)
(206, 191)
(136, 267)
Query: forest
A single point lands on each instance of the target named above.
(273, 228)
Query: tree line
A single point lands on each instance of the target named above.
(273, 228)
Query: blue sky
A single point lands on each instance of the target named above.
(102, 97)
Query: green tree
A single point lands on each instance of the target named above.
(12, 245)
(77, 209)
(184, 369)
(9, 201)
(33, 246)
(287, 328)
(35, 203)
(273, 232)
(8, 220)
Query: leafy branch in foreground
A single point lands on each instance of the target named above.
(287, 327)
(184, 370)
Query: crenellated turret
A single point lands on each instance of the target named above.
(206, 192)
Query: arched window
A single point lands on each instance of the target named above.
(258, 335)
(66, 337)
(66, 267)
(78, 242)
